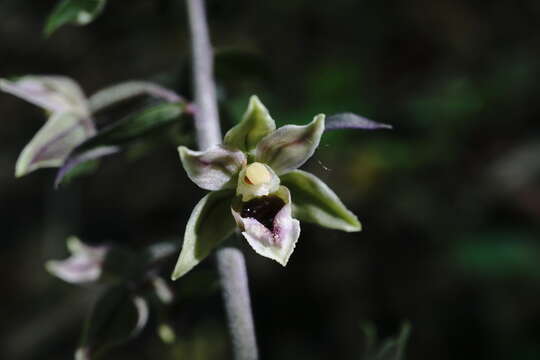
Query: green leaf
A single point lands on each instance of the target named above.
(290, 146)
(116, 317)
(135, 125)
(127, 129)
(210, 222)
(83, 169)
(256, 124)
(76, 12)
(315, 202)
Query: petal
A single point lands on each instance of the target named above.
(290, 146)
(53, 142)
(84, 265)
(256, 124)
(315, 202)
(214, 168)
(279, 243)
(52, 93)
(209, 224)
(249, 190)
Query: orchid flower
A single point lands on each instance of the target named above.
(69, 121)
(255, 186)
(85, 265)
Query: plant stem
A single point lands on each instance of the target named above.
(206, 113)
(230, 261)
(234, 283)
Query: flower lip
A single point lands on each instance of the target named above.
(263, 209)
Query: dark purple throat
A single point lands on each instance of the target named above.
(264, 209)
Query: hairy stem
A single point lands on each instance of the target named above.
(234, 282)
(231, 264)
(206, 112)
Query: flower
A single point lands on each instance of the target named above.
(254, 176)
(85, 265)
(69, 120)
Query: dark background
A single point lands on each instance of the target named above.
(449, 200)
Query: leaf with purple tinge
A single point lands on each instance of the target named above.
(108, 140)
(353, 121)
(81, 164)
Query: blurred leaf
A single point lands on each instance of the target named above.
(127, 129)
(116, 317)
(500, 255)
(134, 125)
(353, 121)
(86, 168)
(389, 349)
(81, 164)
(76, 12)
(126, 90)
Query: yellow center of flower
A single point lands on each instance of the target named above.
(257, 174)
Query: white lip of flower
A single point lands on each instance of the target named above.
(277, 239)
(258, 193)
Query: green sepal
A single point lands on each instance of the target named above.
(315, 202)
(290, 146)
(76, 12)
(256, 124)
(210, 223)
